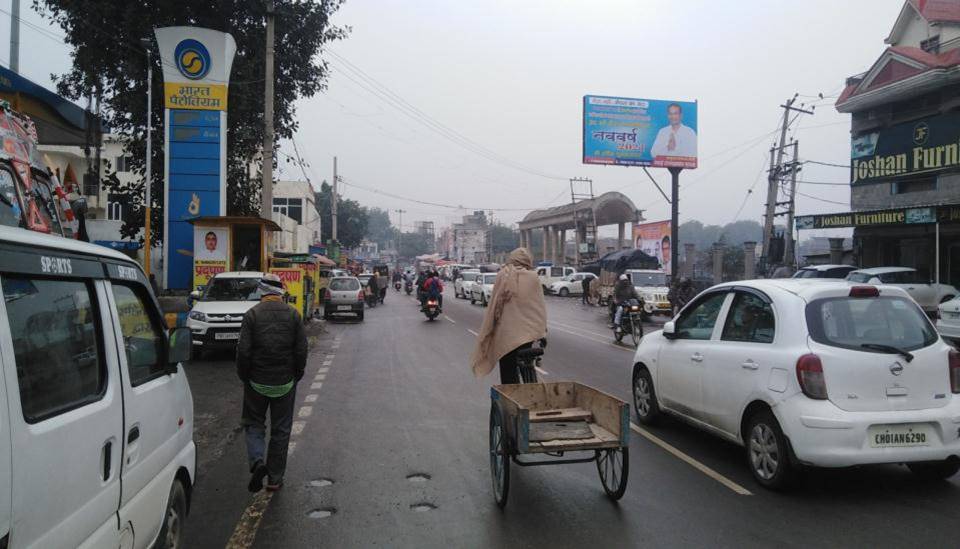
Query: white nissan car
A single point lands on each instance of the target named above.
(807, 372)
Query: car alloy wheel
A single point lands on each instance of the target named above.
(765, 454)
(644, 396)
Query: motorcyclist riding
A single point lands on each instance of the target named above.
(515, 318)
(432, 288)
(623, 291)
(681, 294)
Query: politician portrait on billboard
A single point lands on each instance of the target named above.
(639, 132)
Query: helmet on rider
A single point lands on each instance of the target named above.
(623, 277)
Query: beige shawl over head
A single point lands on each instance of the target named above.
(516, 314)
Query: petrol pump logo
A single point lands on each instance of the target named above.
(192, 59)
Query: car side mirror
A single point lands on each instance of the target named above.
(180, 348)
(670, 330)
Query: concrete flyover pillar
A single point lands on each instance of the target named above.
(621, 229)
(717, 263)
(749, 260)
(524, 240)
(544, 250)
(689, 259)
(557, 247)
(836, 250)
(563, 245)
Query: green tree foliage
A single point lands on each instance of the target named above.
(351, 217)
(414, 244)
(505, 239)
(109, 63)
(703, 236)
(379, 229)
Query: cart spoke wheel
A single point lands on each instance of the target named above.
(614, 467)
(499, 458)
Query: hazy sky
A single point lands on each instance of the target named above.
(510, 76)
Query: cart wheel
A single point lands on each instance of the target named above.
(614, 468)
(499, 458)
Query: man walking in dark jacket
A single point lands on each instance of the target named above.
(271, 357)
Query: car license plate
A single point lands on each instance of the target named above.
(897, 436)
(343, 307)
(227, 335)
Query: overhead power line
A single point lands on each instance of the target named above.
(397, 102)
(823, 199)
(349, 183)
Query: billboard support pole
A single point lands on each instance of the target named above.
(674, 223)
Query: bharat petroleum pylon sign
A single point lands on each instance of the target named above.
(196, 75)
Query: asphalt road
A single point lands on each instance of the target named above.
(392, 452)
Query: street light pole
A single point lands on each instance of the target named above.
(147, 201)
(399, 234)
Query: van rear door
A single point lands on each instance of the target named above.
(64, 400)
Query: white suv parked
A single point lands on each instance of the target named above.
(463, 285)
(218, 309)
(807, 372)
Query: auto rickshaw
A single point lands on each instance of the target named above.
(300, 276)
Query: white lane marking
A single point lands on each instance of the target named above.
(452, 321)
(297, 427)
(320, 377)
(246, 529)
(330, 357)
(305, 411)
(690, 461)
(311, 397)
(475, 334)
(541, 370)
(595, 340)
(316, 385)
(291, 446)
(328, 363)
(578, 328)
(323, 370)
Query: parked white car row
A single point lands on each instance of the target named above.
(808, 373)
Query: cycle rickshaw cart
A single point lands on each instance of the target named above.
(554, 419)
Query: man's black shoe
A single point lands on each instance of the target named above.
(258, 473)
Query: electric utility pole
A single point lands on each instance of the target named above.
(333, 204)
(148, 199)
(776, 173)
(15, 36)
(266, 194)
(399, 233)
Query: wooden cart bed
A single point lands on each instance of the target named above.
(561, 416)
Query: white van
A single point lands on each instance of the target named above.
(97, 417)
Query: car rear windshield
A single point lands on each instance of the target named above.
(850, 322)
(489, 279)
(859, 277)
(232, 289)
(344, 285)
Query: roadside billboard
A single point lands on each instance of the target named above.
(654, 240)
(639, 132)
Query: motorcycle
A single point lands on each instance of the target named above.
(396, 285)
(631, 321)
(431, 309)
(408, 287)
(371, 298)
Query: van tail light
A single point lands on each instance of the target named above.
(954, 362)
(864, 291)
(810, 376)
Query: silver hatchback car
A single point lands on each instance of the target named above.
(344, 295)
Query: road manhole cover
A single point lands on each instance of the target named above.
(323, 512)
(321, 482)
(423, 507)
(418, 477)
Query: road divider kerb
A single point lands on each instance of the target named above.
(736, 488)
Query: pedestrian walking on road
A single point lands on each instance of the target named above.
(271, 357)
(585, 286)
(515, 318)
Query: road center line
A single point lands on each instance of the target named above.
(595, 340)
(475, 334)
(246, 530)
(690, 461)
(578, 328)
(452, 321)
(311, 397)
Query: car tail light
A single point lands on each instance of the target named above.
(810, 376)
(360, 295)
(954, 362)
(864, 291)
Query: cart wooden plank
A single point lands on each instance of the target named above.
(561, 414)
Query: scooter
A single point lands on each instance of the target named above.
(431, 309)
(408, 287)
(396, 285)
